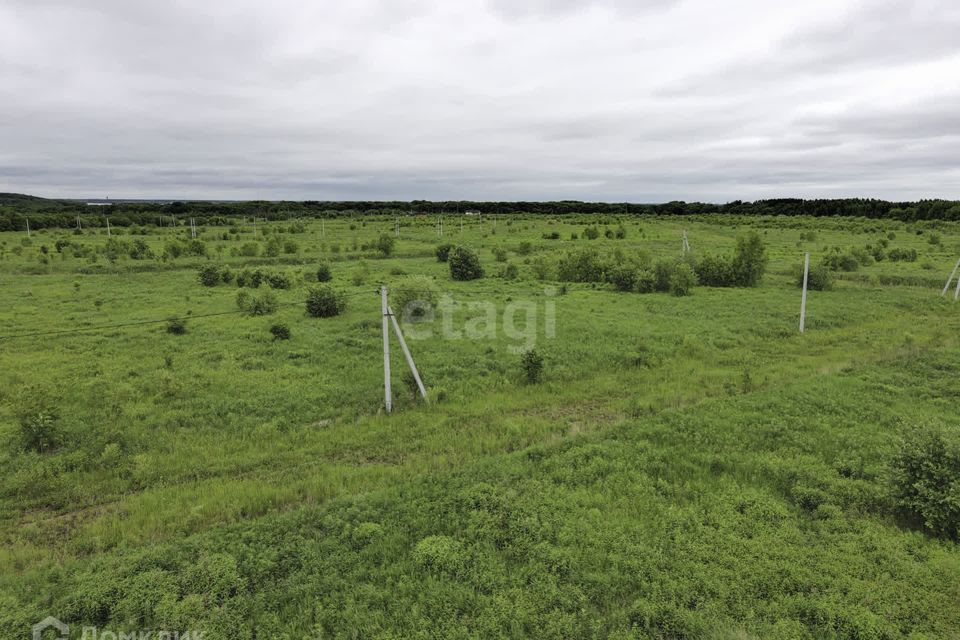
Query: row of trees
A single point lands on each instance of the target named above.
(43, 213)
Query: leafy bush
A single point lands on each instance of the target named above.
(385, 244)
(39, 425)
(510, 271)
(645, 282)
(443, 252)
(279, 280)
(414, 298)
(177, 326)
(262, 304)
(440, 555)
(836, 261)
(209, 275)
(749, 261)
(902, 255)
(820, 277)
(499, 254)
(715, 271)
(531, 364)
(591, 233)
(524, 249)
(325, 302)
(250, 278)
(280, 332)
(662, 272)
(323, 273)
(553, 235)
(583, 265)
(464, 264)
(622, 277)
(926, 478)
(682, 280)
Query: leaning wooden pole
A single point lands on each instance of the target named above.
(406, 354)
(950, 279)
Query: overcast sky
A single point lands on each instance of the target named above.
(645, 100)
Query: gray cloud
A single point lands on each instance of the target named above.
(592, 99)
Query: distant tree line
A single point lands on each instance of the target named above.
(43, 213)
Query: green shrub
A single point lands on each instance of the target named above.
(820, 277)
(325, 302)
(243, 300)
(385, 244)
(39, 425)
(177, 326)
(323, 273)
(280, 332)
(837, 261)
(591, 233)
(531, 364)
(209, 275)
(682, 280)
(662, 272)
(279, 280)
(440, 555)
(510, 271)
(262, 304)
(926, 478)
(524, 249)
(499, 254)
(583, 265)
(902, 255)
(645, 281)
(715, 271)
(443, 252)
(622, 277)
(749, 261)
(464, 264)
(414, 297)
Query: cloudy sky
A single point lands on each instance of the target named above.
(643, 100)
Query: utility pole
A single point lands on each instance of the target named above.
(387, 398)
(108, 228)
(28, 227)
(803, 297)
(79, 226)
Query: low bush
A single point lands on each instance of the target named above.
(443, 252)
(531, 364)
(323, 273)
(39, 422)
(413, 298)
(385, 244)
(177, 326)
(926, 480)
(325, 302)
(820, 277)
(262, 304)
(209, 275)
(582, 265)
(280, 332)
(464, 264)
(499, 254)
(682, 280)
(278, 280)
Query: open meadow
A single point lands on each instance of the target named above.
(609, 447)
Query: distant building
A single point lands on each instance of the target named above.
(472, 212)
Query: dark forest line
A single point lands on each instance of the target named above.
(16, 210)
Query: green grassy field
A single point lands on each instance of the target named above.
(688, 467)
